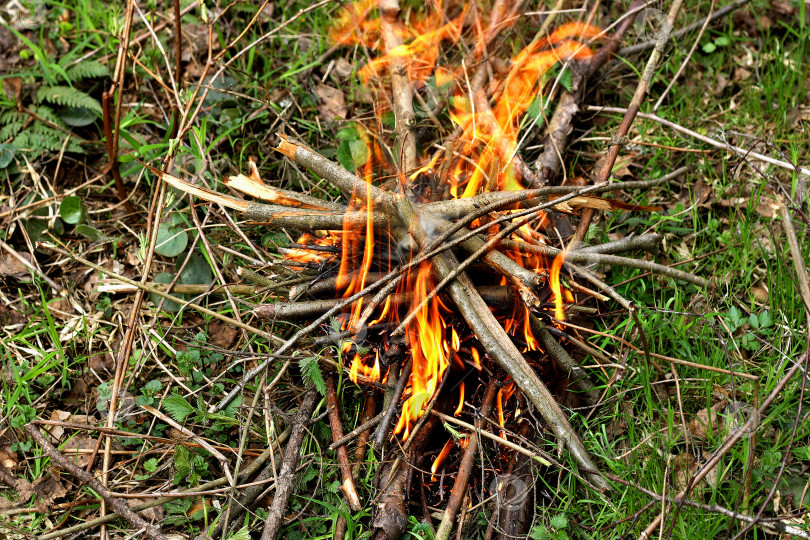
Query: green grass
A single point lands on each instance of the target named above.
(637, 434)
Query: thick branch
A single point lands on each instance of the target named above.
(286, 475)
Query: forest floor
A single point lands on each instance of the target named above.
(694, 373)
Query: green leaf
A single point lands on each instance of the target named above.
(312, 372)
(92, 233)
(567, 79)
(169, 306)
(6, 155)
(36, 228)
(344, 155)
(559, 521)
(765, 319)
(78, 116)
(540, 533)
(753, 321)
(150, 465)
(241, 534)
(535, 107)
(802, 453)
(452, 431)
(182, 463)
(709, 47)
(359, 151)
(177, 407)
(196, 272)
(171, 240)
(89, 69)
(722, 41)
(734, 318)
(152, 386)
(347, 133)
(72, 210)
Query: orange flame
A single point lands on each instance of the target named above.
(448, 446)
(360, 369)
(430, 350)
(500, 400)
(460, 399)
(301, 254)
(486, 150)
(492, 133)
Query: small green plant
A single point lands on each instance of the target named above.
(148, 391)
(555, 530)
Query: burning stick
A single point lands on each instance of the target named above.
(568, 106)
(498, 297)
(402, 94)
(465, 468)
(342, 454)
(498, 344)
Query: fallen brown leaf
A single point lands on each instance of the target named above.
(706, 421)
(49, 488)
(222, 335)
(12, 267)
(331, 102)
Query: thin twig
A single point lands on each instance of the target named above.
(347, 485)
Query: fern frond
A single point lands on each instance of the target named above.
(38, 141)
(312, 372)
(89, 69)
(12, 117)
(47, 113)
(68, 97)
(9, 130)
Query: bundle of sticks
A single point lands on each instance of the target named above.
(446, 270)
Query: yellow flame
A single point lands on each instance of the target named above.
(554, 283)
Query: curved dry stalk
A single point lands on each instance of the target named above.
(635, 104)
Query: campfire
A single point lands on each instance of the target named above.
(447, 278)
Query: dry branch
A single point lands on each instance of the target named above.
(402, 93)
(286, 475)
(119, 506)
(500, 297)
(578, 377)
(248, 497)
(635, 104)
(560, 125)
(347, 485)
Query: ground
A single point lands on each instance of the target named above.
(680, 374)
